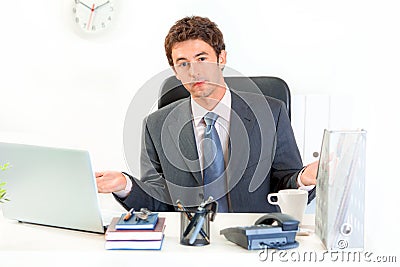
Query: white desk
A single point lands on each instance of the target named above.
(24, 244)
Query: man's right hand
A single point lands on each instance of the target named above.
(110, 181)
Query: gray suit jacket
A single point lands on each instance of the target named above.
(263, 157)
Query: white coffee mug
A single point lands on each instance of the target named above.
(291, 201)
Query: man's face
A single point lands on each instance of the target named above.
(198, 68)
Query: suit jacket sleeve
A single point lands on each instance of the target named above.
(287, 163)
(151, 190)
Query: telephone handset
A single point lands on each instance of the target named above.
(273, 230)
(285, 221)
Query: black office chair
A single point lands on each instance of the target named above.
(172, 89)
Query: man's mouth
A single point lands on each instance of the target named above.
(199, 83)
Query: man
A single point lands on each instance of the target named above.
(235, 147)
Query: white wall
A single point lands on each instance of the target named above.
(60, 88)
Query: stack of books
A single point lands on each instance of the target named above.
(135, 233)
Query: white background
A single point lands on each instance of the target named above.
(60, 87)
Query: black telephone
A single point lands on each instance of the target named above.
(264, 233)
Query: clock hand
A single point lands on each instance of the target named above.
(90, 18)
(102, 5)
(84, 4)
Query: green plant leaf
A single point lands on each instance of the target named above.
(2, 190)
(5, 166)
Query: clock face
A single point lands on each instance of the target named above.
(93, 15)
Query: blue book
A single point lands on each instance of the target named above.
(135, 223)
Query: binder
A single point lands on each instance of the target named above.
(340, 193)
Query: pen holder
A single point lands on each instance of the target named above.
(195, 228)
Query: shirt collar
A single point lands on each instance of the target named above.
(222, 109)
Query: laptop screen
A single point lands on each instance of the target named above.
(50, 186)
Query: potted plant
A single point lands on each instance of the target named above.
(3, 191)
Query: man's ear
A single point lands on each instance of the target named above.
(222, 59)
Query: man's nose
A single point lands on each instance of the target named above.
(193, 69)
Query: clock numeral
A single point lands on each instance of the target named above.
(111, 8)
(74, 10)
(77, 1)
(103, 25)
(93, 28)
(76, 19)
(109, 18)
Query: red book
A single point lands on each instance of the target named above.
(153, 234)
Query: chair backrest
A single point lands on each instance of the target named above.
(172, 89)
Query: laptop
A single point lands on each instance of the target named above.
(50, 186)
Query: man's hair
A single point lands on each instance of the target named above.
(192, 28)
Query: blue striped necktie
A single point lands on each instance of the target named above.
(214, 165)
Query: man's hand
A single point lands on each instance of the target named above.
(309, 175)
(110, 181)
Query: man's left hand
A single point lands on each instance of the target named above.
(309, 175)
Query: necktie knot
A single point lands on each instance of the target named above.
(210, 118)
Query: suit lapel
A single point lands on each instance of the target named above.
(181, 131)
(241, 127)
(244, 114)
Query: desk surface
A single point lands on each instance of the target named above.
(34, 244)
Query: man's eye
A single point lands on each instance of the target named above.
(184, 64)
(202, 59)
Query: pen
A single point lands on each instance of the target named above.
(192, 224)
(128, 215)
(197, 228)
(182, 208)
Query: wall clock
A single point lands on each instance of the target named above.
(93, 16)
